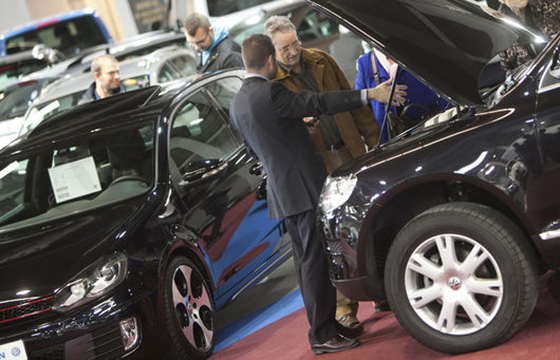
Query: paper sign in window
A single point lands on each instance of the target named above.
(74, 179)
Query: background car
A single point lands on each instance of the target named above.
(14, 102)
(163, 65)
(128, 222)
(453, 220)
(68, 33)
(14, 67)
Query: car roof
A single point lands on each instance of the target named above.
(445, 44)
(31, 25)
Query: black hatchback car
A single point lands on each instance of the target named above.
(128, 222)
(453, 220)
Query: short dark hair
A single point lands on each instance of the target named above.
(255, 50)
(195, 21)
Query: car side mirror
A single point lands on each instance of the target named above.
(202, 171)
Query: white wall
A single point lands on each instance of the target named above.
(127, 19)
(13, 13)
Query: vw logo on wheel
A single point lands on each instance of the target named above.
(454, 283)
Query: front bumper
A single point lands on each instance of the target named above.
(340, 233)
(109, 330)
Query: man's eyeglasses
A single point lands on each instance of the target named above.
(287, 48)
(199, 42)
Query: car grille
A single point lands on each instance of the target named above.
(52, 353)
(102, 344)
(336, 265)
(22, 310)
(107, 342)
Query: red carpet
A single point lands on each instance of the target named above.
(384, 338)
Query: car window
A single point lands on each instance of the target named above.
(316, 26)
(199, 132)
(185, 65)
(82, 173)
(224, 91)
(551, 77)
(166, 73)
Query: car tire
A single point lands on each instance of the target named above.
(189, 310)
(461, 277)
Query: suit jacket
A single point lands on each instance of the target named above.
(268, 117)
(355, 126)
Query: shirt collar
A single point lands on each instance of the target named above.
(256, 76)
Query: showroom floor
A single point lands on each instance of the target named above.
(384, 338)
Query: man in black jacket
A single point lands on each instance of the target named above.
(107, 79)
(269, 117)
(215, 50)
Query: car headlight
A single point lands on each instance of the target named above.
(95, 281)
(337, 191)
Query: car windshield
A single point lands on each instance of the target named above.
(80, 174)
(68, 37)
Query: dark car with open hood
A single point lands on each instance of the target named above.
(453, 220)
(127, 223)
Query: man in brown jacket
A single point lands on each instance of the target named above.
(339, 137)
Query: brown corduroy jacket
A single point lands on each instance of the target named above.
(356, 126)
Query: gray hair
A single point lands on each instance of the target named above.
(98, 62)
(276, 24)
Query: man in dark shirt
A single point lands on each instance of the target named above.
(215, 50)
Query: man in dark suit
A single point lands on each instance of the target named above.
(269, 118)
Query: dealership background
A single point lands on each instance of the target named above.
(123, 18)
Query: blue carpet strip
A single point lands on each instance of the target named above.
(258, 319)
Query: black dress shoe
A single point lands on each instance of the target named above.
(336, 344)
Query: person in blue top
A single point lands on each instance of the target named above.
(375, 68)
(215, 50)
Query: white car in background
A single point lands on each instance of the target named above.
(163, 65)
(14, 101)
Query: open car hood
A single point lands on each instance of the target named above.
(445, 43)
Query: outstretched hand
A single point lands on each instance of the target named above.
(382, 92)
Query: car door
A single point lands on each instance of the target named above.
(219, 187)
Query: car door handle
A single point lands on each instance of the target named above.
(256, 169)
